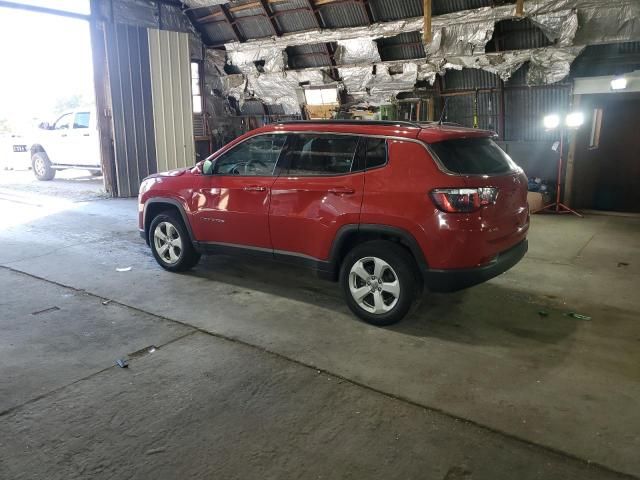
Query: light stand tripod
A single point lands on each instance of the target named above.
(558, 206)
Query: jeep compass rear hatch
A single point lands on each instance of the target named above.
(495, 186)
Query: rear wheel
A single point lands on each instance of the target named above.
(42, 166)
(171, 244)
(379, 282)
(95, 173)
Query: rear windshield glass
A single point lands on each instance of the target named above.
(473, 156)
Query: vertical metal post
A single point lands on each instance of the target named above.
(501, 111)
(475, 109)
(568, 179)
(97, 28)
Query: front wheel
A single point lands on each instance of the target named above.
(42, 167)
(379, 282)
(171, 244)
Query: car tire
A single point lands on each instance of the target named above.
(167, 228)
(95, 173)
(42, 167)
(380, 282)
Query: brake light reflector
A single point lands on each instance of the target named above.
(464, 200)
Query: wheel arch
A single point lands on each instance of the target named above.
(351, 235)
(37, 148)
(154, 206)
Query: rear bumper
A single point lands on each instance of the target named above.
(457, 279)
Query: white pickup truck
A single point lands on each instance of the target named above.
(70, 142)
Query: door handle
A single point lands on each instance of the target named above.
(63, 135)
(255, 188)
(342, 191)
(86, 134)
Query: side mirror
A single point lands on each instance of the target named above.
(207, 167)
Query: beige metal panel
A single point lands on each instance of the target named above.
(172, 100)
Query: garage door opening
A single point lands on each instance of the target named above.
(49, 143)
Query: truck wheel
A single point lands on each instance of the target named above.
(379, 282)
(42, 166)
(171, 244)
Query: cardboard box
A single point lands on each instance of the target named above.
(536, 201)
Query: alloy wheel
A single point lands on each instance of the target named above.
(374, 285)
(168, 243)
(39, 166)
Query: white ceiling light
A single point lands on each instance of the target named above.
(619, 83)
(575, 119)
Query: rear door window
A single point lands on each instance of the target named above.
(376, 152)
(372, 153)
(473, 156)
(81, 120)
(320, 155)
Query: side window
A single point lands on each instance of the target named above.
(254, 157)
(372, 153)
(319, 155)
(81, 120)
(64, 122)
(376, 152)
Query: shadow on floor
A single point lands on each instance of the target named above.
(483, 315)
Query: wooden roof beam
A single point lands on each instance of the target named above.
(236, 31)
(428, 34)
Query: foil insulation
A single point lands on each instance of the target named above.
(458, 33)
(173, 18)
(214, 74)
(390, 80)
(459, 41)
(357, 79)
(147, 13)
(245, 59)
(559, 27)
(280, 88)
(355, 51)
(546, 65)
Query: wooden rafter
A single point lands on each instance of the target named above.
(520, 8)
(316, 13)
(236, 31)
(367, 11)
(428, 34)
(272, 21)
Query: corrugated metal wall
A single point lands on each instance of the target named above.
(172, 101)
(526, 107)
(460, 109)
(130, 84)
(469, 79)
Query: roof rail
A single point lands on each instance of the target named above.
(435, 123)
(389, 123)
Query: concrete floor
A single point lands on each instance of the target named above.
(261, 372)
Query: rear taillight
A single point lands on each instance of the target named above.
(463, 200)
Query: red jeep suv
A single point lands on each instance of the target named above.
(386, 208)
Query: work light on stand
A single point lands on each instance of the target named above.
(552, 122)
